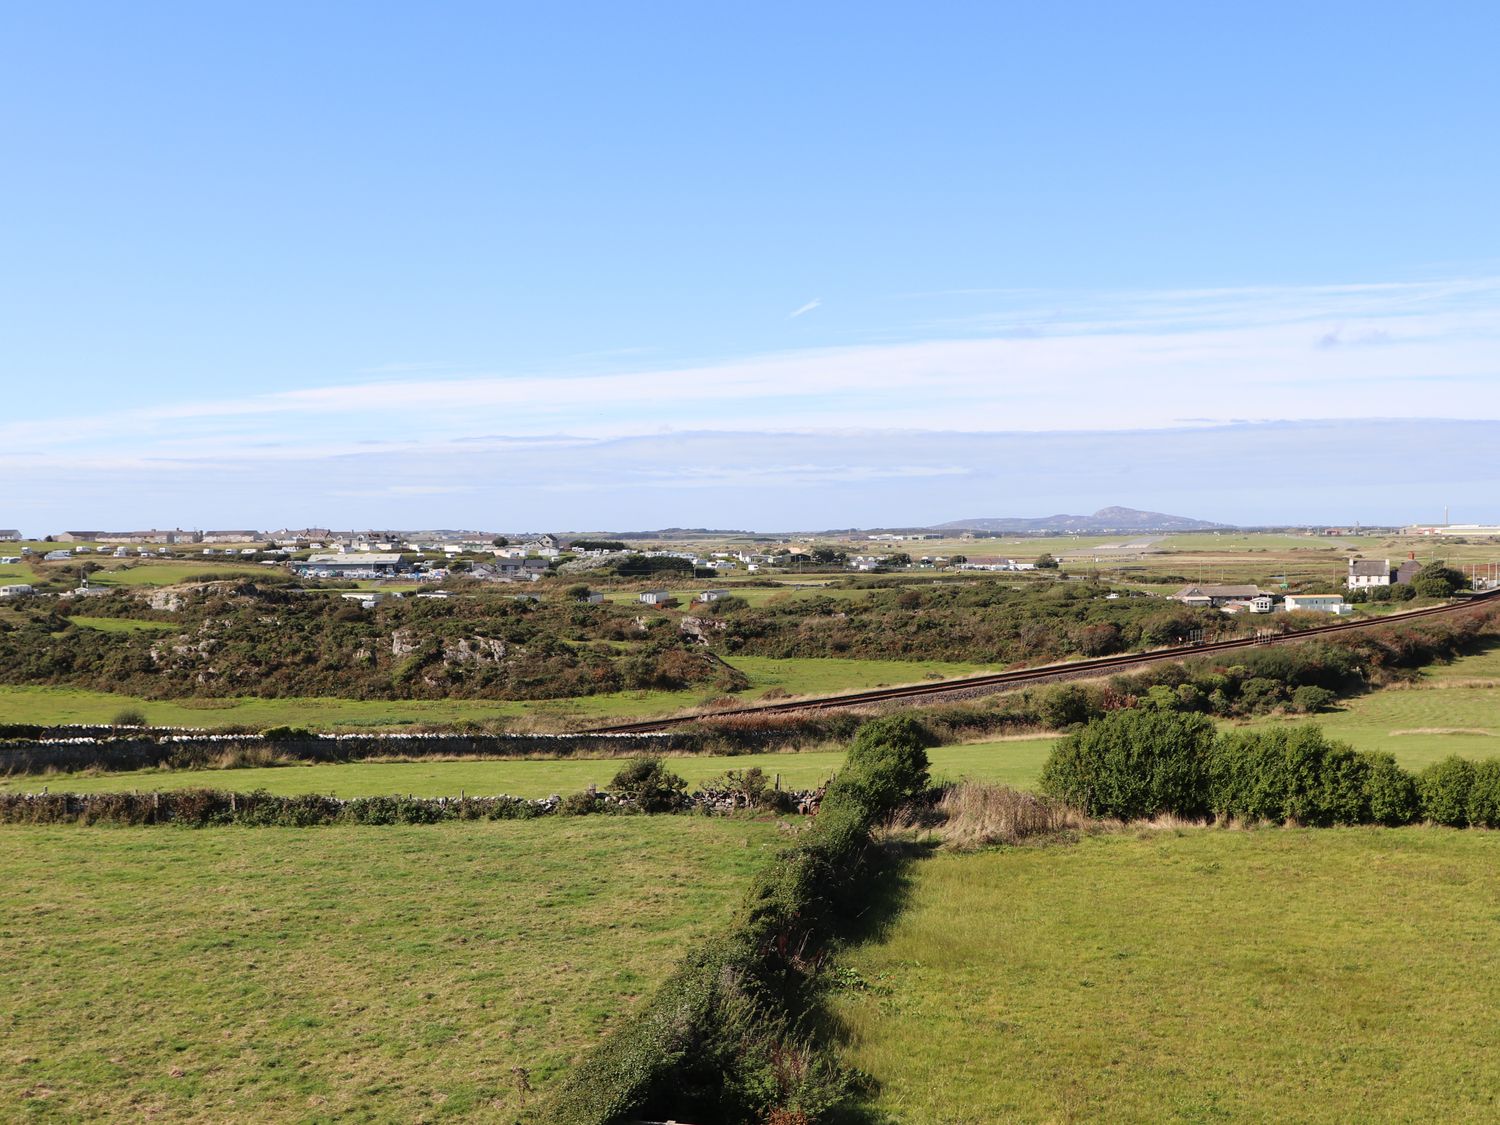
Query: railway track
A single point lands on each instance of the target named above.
(992, 682)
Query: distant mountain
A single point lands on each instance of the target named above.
(1105, 521)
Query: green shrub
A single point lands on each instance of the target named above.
(900, 731)
(1261, 694)
(1391, 791)
(129, 717)
(1288, 773)
(1484, 795)
(580, 804)
(1067, 706)
(285, 734)
(1311, 699)
(1446, 788)
(649, 783)
(1132, 764)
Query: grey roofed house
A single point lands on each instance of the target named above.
(1364, 573)
(1216, 595)
(1406, 572)
(9, 535)
(357, 564)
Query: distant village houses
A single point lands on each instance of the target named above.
(349, 566)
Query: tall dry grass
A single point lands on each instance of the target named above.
(973, 814)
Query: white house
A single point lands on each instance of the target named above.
(1366, 574)
(712, 595)
(1318, 603)
(656, 597)
(20, 589)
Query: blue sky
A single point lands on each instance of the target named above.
(771, 266)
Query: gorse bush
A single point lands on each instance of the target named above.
(649, 783)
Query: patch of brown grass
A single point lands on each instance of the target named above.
(973, 814)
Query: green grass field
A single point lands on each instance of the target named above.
(1452, 709)
(124, 625)
(148, 573)
(357, 974)
(797, 677)
(1015, 762)
(1316, 976)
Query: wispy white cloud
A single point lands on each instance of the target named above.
(1105, 363)
(816, 302)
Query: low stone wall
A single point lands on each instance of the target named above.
(118, 749)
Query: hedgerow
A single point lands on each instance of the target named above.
(725, 1038)
(1136, 764)
(202, 808)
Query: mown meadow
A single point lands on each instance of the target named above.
(1193, 975)
(443, 971)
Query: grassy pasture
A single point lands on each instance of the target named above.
(124, 625)
(390, 974)
(151, 573)
(1451, 709)
(1015, 762)
(1198, 976)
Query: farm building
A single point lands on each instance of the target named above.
(349, 566)
(1319, 603)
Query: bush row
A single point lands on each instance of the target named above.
(1142, 763)
(724, 1039)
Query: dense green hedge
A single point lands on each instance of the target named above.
(1133, 764)
(723, 1039)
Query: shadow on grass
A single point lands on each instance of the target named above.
(882, 896)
